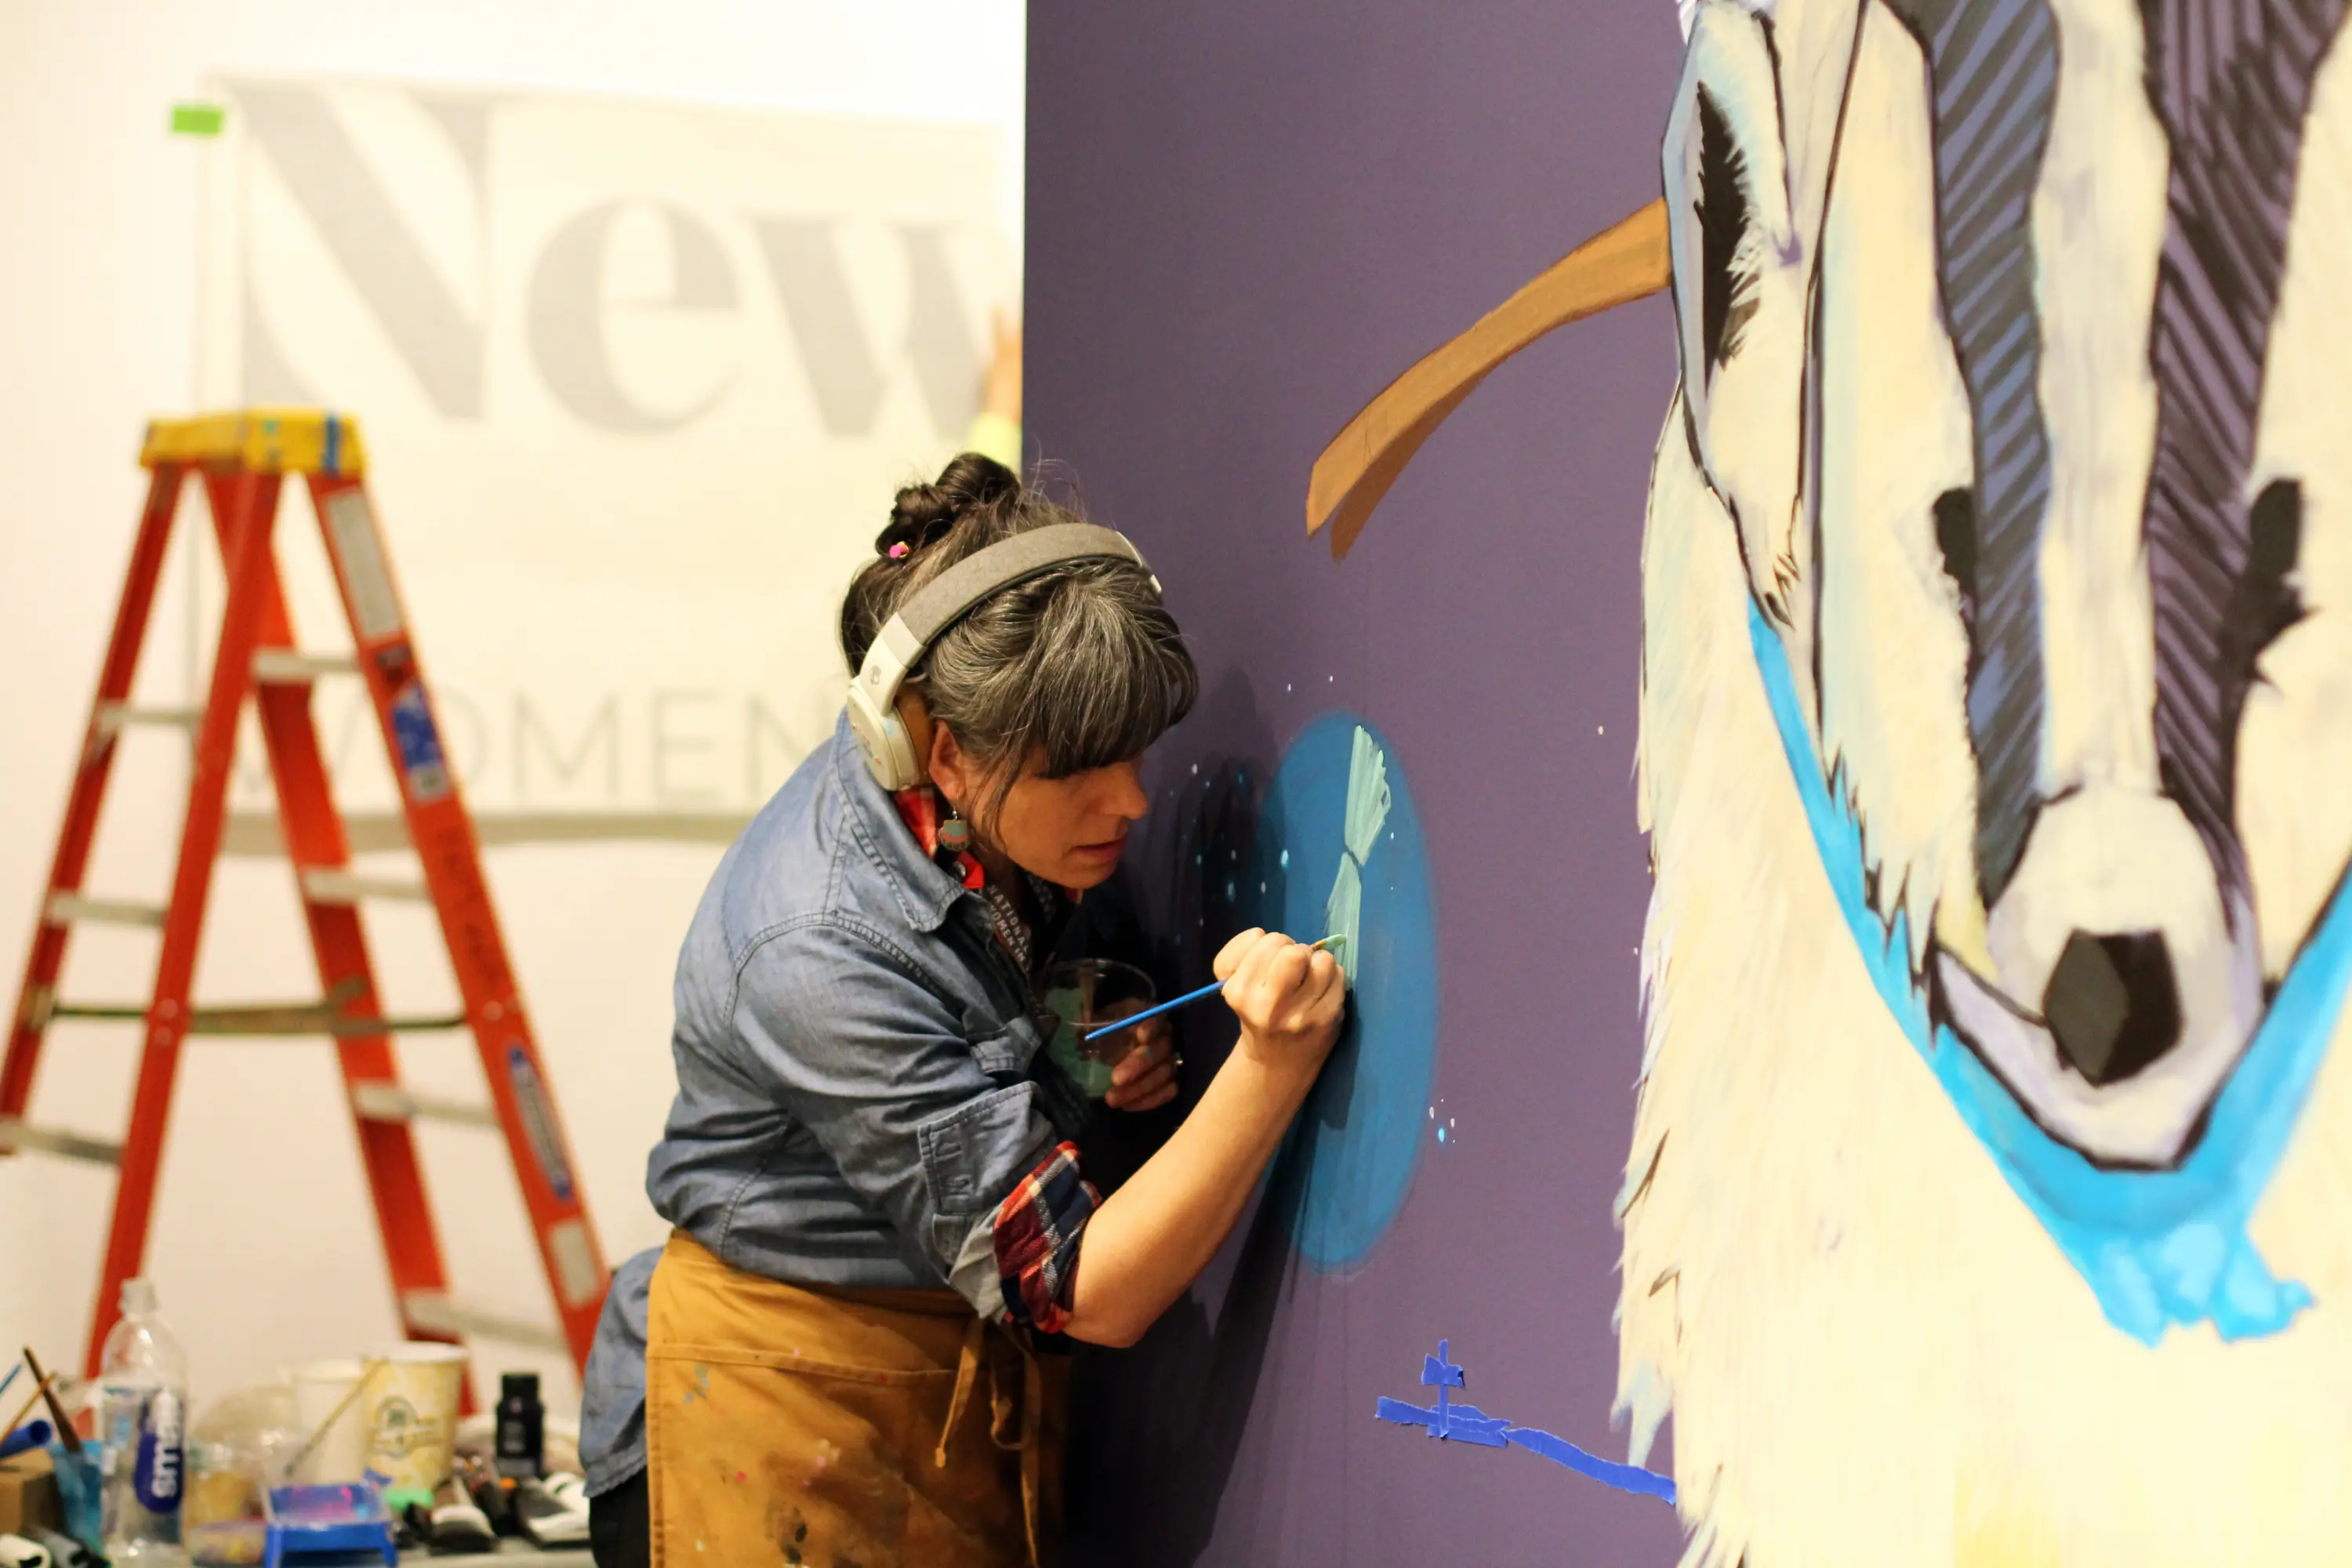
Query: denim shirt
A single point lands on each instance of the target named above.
(854, 1087)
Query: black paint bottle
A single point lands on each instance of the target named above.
(521, 1426)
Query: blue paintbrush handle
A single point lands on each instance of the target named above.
(1211, 989)
(31, 1434)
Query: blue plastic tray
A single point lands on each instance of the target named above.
(308, 1520)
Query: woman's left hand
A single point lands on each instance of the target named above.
(1145, 1078)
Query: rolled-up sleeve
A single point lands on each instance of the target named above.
(879, 1068)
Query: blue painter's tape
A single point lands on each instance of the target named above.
(1352, 1149)
(539, 1122)
(1468, 1423)
(330, 458)
(2157, 1247)
(422, 762)
(1450, 1421)
(1624, 1477)
(1445, 1420)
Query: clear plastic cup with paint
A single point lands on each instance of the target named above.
(1086, 995)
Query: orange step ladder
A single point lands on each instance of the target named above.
(243, 460)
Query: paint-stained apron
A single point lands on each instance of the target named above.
(843, 1428)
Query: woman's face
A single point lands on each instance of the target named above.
(1069, 831)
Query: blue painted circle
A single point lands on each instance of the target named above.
(1344, 1170)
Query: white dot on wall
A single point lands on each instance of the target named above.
(1286, 857)
(1600, 729)
(1287, 686)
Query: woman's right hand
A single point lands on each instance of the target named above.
(1289, 996)
(1154, 1234)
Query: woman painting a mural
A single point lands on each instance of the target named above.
(880, 1206)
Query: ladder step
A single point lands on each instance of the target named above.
(380, 1101)
(313, 1019)
(325, 886)
(64, 909)
(433, 1312)
(284, 666)
(114, 716)
(257, 833)
(264, 1018)
(16, 1134)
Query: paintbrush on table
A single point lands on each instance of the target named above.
(1211, 989)
(66, 1432)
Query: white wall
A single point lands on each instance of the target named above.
(262, 1243)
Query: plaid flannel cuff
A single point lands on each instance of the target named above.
(1036, 1235)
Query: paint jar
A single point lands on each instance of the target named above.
(410, 1410)
(322, 1395)
(1086, 995)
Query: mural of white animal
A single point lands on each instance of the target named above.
(1991, 1192)
(1990, 1201)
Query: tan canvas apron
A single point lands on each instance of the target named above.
(843, 1428)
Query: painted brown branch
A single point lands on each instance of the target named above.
(1625, 262)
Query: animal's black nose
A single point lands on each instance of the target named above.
(2111, 1003)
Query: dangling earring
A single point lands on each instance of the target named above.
(955, 833)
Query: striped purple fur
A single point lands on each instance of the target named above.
(2230, 81)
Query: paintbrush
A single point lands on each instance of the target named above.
(66, 1432)
(1211, 989)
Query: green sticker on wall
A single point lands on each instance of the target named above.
(197, 118)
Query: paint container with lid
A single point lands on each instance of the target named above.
(521, 1426)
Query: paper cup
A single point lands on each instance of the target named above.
(411, 1416)
(341, 1454)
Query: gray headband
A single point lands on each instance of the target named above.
(946, 597)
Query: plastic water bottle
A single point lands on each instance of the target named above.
(142, 1423)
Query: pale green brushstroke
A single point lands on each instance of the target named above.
(1367, 814)
(1341, 914)
(1368, 796)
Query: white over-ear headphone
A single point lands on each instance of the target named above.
(938, 605)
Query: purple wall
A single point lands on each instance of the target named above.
(1245, 219)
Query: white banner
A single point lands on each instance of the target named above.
(637, 381)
